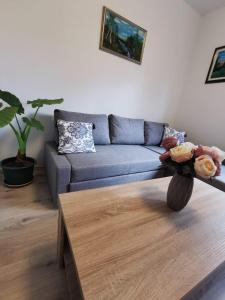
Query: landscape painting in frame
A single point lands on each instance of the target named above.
(217, 68)
(122, 37)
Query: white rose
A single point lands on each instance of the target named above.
(190, 145)
(205, 167)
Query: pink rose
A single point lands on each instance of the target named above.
(219, 154)
(218, 166)
(164, 156)
(215, 153)
(198, 151)
(169, 142)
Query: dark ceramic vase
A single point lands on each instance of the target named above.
(179, 191)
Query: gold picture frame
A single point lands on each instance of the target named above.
(121, 37)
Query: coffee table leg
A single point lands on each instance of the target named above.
(61, 240)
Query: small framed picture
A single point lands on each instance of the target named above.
(217, 68)
(122, 37)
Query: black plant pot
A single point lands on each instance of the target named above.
(17, 175)
(179, 191)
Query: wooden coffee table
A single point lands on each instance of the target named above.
(126, 244)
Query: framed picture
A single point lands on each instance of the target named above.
(217, 68)
(122, 37)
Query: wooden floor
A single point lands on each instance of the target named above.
(28, 233)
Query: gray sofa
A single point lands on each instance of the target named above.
(121, 154)
(127, 150)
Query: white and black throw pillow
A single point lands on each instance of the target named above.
(180, 135)
(75, 137)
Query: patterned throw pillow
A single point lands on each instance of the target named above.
(75, 137)
(173, 132)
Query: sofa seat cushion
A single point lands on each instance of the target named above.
(219, 181)
(112, 160)
(157, 149)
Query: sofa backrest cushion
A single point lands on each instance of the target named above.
(126, 131)
(100, 124)
(154, 133)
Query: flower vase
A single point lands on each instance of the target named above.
(179, 191)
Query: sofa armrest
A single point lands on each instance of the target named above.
(58, 171)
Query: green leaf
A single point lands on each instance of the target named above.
(6, 115)
(42, 102)
(1, 104)
(12, 100)
(33, 123)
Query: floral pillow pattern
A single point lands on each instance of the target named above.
(75, 137)
(168, 132)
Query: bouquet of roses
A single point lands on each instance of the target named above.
(191, 160)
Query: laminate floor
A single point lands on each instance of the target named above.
(28, 236)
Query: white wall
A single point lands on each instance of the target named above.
(202, 107)
(50, 48)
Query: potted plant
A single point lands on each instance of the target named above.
(18, 170)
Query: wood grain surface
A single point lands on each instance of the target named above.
(28, 232)
(127, 244)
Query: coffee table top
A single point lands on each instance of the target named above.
(128, 245)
